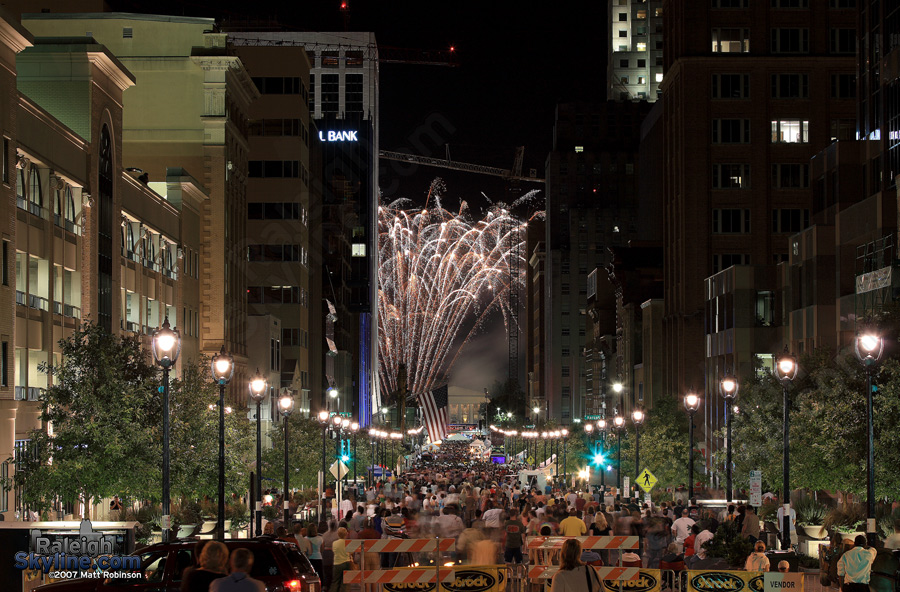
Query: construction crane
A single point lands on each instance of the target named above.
(513, 174)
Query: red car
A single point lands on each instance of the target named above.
(278, 564)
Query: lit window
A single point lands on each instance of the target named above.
(642, 47)
(579, 148)
(359, 250)
(790, 131)
(642, 80)
(659, 76)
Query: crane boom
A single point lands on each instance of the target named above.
(446, 163)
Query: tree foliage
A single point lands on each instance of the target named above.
(103, 428)
(103, 409)
(828, 427)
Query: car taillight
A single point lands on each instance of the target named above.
(294, 586)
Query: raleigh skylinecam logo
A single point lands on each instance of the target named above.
(85, 554)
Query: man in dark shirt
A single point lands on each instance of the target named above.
(514, 529)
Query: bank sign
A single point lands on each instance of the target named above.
(339, 136)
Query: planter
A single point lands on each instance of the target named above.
(815, 531)
(185, 530)
(208, 528)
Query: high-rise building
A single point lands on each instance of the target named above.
(592, 203)
(190, 110)
(635, 53)
(343, 114)
(751, 92)
(84, 237)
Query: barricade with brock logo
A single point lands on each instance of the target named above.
(724, 581)
(465, 578)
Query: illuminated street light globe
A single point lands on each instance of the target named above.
(323, 416)
(786, 366)
(618, 422)
(258, 385)
(729, 387)
(692, 402)
(601, 425)
(617, 387)
(166, 345)
(536, 409)
(638, 416)
(354, 427)
(869, 347)
(223, 366)
(332, 393)
(588, 427)
(285, 403)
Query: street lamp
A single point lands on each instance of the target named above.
(323, 419)
(637, 416)
(618, 387)
(786, 370)
(691, 404)
(869, 347)
(618, 424)
(729, 388)
(601, 437)
(285, 408)
(166, 346)
(258, 387)
(565, 437)
(223, 370)
(354, 429)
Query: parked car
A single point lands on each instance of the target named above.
(278, 564)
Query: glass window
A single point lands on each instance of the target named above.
(790, 131)
(843, 86)
(790, 86)
(730, 40)
(731, 176)
(790, 176)
(795, 40)
(731, 86)
(789, 220)
(730, 131)
(843, 41)
(730, 221)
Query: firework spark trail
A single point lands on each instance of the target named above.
(440, 272)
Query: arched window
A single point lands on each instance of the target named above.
(71, 214)
(35, 191)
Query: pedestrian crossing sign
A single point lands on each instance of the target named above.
(646, 480)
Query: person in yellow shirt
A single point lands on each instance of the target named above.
(573, 525)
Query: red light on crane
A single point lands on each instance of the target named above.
(343, 6)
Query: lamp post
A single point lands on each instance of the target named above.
(565, 439)
(544, 437)
(601, 430)
(223, 370)
(337, 422)
(691, 404)
(323, 419)
(354, 429)
(166, 346)
(786, 370)
(285, 407)
(728, 386)
(258, 386)
(618, 424)
(637, 416)
(869, 347)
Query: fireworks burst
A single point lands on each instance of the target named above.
(441, 276)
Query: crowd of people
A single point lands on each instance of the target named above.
(451, 494)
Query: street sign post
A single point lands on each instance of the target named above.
(339, 470)
(756, 488)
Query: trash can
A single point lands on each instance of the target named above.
(776, 557)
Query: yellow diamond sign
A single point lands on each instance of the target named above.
(646, 480)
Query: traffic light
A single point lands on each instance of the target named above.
(598, 459)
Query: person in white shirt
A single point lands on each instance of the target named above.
(704, 536)
(780, 518)
(855, 566)
(681, 528)
(492, 517)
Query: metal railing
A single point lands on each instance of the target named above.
(37, 302)
(20, 298)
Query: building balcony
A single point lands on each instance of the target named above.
(29, 393)
(21, 298)
(38, 303)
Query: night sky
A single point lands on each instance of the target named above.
(515, 64)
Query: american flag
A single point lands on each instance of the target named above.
(434, 407)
